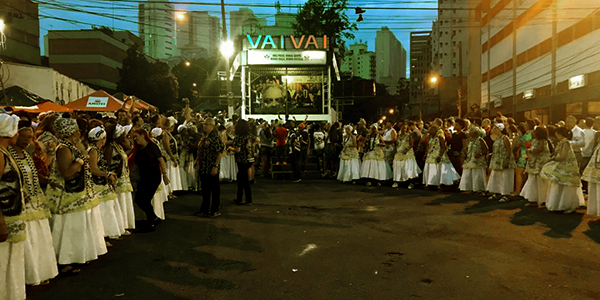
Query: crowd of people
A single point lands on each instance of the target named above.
(69, 182)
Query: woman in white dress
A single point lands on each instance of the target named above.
(118, 163)
(591, 174)
(475, 165)
(171, 150)
(438, 168)
(229, 170)
(40, 259)
(374, 166)
(405, 165)
(162, 192)
(12, 226)
(76, 227)
(562, 174)
(502, 165)
(535, 189)
(349, 161)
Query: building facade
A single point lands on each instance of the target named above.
(46, 83)
(243, 21)
(423, 101)
(538, 58)
(198, 35)
(91, 56)
(22, 31)
(157, 28)
(359, 61)
(390, 58)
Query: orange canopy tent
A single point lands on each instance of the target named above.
(43, 107)
(96, 101)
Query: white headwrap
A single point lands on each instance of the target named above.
(181, 127)
(172, 121)
(156, 132)
(97, 133)
(119, 130)
(127, 129)
(499, 126)
(8, 125)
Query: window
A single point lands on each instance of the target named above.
(454, 66)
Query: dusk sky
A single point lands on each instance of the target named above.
(401, 16)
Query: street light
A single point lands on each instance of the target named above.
(227, 50)
(180, 16)
(1, 26)
(391, 111)
(433, 79)
(194, 84)
(187, 63)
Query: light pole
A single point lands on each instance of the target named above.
(226, 50)
(433, 80)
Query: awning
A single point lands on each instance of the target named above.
(18, 96)
(97, 101)
(43, 107)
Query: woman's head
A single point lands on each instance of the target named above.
(242, 128)
(25, 136)
(540, 133)
(563, 133)
(66, 127)
(498, 129)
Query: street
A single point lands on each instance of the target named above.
(320, 239)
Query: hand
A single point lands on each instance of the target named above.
(174, 160)
(214, 171)
(438, 159)
(80, 161)
(166, 180)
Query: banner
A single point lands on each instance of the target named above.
(97, 102)
(282, 57)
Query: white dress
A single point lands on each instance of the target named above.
(160, 197)
(474, 168)
(591, 174)
(564, 181)
(12, 271)
(405, 164)
(349, 162)
(173, 172)
(536, 188)
(123, 187)
(438, 173)
(374, 165)
(502, 176)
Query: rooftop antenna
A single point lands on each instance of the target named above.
(278, 6)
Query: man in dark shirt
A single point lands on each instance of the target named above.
(210, 151)
(458, 145)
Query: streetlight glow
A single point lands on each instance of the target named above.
(194, 84)
(384, 117)
(433, 79)
(391, 111)
(1, 25)
(187, 63)
(180, 16)
(227, 49)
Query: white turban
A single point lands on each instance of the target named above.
(96, 134)
(8, 125)
(127, 129)
(181, 127)
(156, 132)
(172, 121)
(499, 126)
(119, 130)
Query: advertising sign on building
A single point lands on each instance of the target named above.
(282, 57)
(97, 102)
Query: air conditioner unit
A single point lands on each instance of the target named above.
(498, 102)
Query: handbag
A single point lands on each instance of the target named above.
(75, 184)
(11, 203)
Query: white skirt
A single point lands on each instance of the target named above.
(185, 185)
(535, 189)
(228, 168)
(473, 180)
(438, 174)
(406, 169)
(563, 197)
(159, 198)
(77, 237)
(40, 259)
(174, 177)
(110, 220)
(12, 271)
(125, 201)
(593, 207)
(502, 181)
(375, 169)
(349, 170)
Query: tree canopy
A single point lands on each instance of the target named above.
(326, 17)
(150, 81)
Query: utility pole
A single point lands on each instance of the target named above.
(227, 71)
(514, 61)
(460, 79)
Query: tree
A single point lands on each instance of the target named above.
(150, 81)
(326, 17)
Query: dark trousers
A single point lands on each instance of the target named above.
(243, 183)
(210, 187)
(280, 152)
(295, 158)
(146, 189)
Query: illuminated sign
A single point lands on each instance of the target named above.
(302, 42)
(302, 79)
(97, 102)
(577, 82)
(528, 94)
(282, 57)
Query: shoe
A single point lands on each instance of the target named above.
(215, 214)
(569, 211)
(411, 186)
(127, 232)
(369, 183)
(395, 185)
(503, 199)
(379, 184)
(531, 204)
(108, 244)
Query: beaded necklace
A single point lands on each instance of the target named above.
(31, 183)
(87, 180)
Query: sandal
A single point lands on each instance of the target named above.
(492, 197)
(69, 271)
(503, 199)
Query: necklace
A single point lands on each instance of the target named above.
(31, 178)
(87, 173)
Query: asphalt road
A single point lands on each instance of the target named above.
(324, 240)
